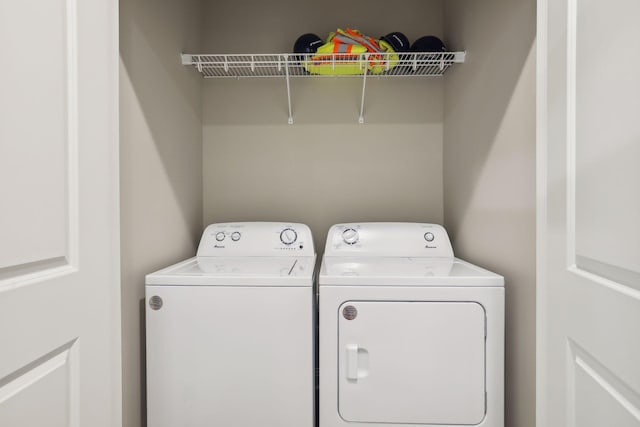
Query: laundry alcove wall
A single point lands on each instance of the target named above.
(457, 149)
(325, 168)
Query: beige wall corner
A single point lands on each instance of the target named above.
(325, 168)
(489, 169)
(161, 175)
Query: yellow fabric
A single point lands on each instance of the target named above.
(325, 62)
(391, 59)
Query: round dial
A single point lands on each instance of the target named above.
(288, 236)
(235, 236)
(428, 236)
(220, 236)
(350, 236)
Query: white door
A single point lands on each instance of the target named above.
(59, 255)
(589, 213)
(411, 362)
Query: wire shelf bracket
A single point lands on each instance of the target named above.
(288, 65)
(286, 70)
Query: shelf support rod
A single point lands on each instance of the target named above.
(364, 87)
(286, 72)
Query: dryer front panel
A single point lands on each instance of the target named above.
(411, 362)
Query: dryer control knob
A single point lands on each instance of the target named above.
(428, 236)
(288, 236)
(350, 236)
(235, 236)
(220, 236)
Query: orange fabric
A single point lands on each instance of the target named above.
(369, 43)
(372, 45)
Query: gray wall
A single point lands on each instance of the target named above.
(161, 175)
(325, 168)
(489, 168)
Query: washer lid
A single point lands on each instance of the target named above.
(237, 271)
(404, 271)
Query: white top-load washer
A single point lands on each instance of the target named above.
(409, 334)
(230, 338)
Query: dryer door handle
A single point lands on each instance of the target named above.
(352, 362)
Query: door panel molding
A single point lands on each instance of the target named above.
(581, 361)
(602, 133)
(571, 63)
(612, 276)
(611, 285)
(34, 272)
(65, 262)
(63, 360)
(73, 174)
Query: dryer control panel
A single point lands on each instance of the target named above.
(256, 239)
(391, 239)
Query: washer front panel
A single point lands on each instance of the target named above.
(229, 356)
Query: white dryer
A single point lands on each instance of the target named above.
(409, 335)
(229, 332)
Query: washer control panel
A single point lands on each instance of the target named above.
(256, 239)
(390, 239)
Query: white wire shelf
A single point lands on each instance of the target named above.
(288, 65)
(333, 65)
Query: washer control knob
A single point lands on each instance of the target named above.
(235, 236)
(350, 236)
(288, 236)
(428, 236)
(220, 236)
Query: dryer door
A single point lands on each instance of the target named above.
(411, 362)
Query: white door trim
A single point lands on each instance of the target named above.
(541, 209)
